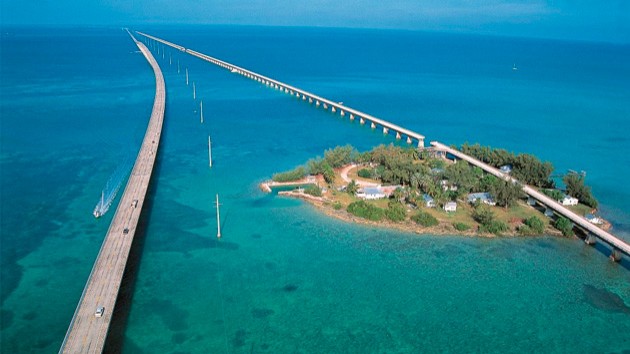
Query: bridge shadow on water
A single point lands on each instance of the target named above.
(605, 251)
(116, 334)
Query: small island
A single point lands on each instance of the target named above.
(423, 191)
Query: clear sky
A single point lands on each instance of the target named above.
(599, 20)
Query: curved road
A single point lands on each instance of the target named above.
(87, 332)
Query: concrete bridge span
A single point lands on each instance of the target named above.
(304, 95)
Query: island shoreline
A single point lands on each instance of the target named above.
(325, 207)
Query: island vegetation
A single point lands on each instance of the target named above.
(421, 191)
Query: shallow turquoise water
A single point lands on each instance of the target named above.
(285, 278)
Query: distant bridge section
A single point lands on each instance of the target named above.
(618, 245)
(353, 114)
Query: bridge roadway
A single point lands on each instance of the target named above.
(304, 95)
(616, 243)
(87, 333)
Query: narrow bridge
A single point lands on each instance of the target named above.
(618, 245)
(305, 95)
(87, 332)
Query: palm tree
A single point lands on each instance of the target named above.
(352, 187)
(414, 179)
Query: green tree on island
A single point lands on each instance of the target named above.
(564, 225)
(532, 226)
(526, 168)
(395, 211)
(340, 156)
(352, 188)
(505, 193)
(576, 188)
(553, 194)
(425, 219)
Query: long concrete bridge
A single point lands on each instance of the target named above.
(334, 107)
(87, 332)
(617, 245)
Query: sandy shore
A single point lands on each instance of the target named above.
(325, 206)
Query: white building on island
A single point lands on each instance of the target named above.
(485, 198)
(371, 193)
(428, 201)
(568, 200)
(450, 206)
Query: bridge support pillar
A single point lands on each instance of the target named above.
(317, 103)
(286, 90)
(303, 97)
(548, 212)
(325, 106)
(615, 255)
(398, 137)
(362, 120)
(409, 141)
(385, 130)
(310, 100)
(351, 117)
(590, 239)
(373, 126)
(332, 109)
(531, 201)
(420, 143)
(342, 113)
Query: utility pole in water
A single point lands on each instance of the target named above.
(218, 218)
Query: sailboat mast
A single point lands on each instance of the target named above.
(218, 219)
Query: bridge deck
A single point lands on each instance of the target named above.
(612, 240)
(605, 236)
(87, 333)
(323, 100)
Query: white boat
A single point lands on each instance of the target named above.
(514, 67)
(98, 210)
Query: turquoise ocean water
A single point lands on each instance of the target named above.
(74, 106)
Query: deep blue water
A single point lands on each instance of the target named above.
(75, 103)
